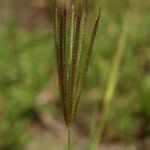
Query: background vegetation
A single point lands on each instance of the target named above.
(30, 114)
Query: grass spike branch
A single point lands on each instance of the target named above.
(63, 58)
(87, 59)
(74, 67)
(59, 68)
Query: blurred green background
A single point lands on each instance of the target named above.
(30, 111)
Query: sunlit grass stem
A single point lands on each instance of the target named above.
(110, 90)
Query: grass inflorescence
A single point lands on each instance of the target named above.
(72, 61)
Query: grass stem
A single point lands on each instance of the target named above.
(110, 91)
(69, 139)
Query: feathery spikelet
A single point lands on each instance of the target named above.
(71, 77)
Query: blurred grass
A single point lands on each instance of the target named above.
(27, 66)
